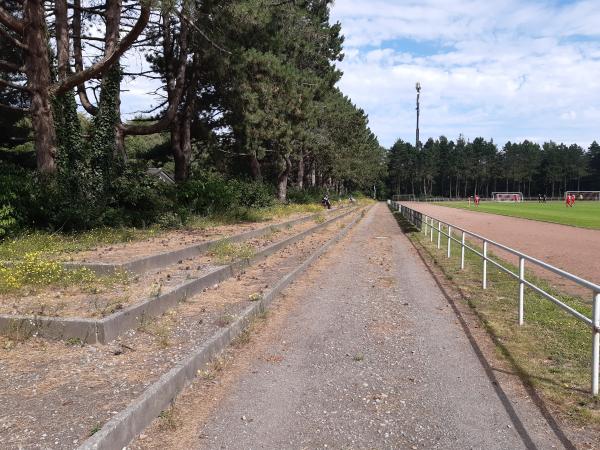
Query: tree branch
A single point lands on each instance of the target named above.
(78, 58)
(20, 87)
(12, 39)
(107, 61)
(14, 108)
(9, 21)
(10, 67)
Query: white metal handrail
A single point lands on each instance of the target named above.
(427, 226)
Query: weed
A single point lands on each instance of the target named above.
(168, 419)
(213, 368)
(225, 320)
(20, 330)
(319, 218)
(255, 297)
(159, 328)
(225, 251)
(242, 339)
(155, 289)
(95, 429)
(74, 342)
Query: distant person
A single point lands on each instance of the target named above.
(544, 198)
(539, 198)
(351, 199)
(515, 198)
(325, 202)
(476, 200)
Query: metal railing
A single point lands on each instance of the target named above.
(428, 225)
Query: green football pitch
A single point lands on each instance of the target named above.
(584, 214)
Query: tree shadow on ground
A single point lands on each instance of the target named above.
(406, 226)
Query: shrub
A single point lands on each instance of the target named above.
(7, 220)
(253, 194)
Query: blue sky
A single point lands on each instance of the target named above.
(507, 70)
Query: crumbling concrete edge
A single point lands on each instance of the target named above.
(127, 424)
(104, 330)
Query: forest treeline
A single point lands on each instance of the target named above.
(248, 107)
(445, 168)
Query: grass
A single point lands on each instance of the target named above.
(48, 244)
(160, 328)
(169, 419)
(33, 272)
(44, 243)
(585, 214)
(225, 251)
(551, 351)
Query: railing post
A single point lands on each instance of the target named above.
(521, 290)
(595, 343)
(484, 281)
(439, 234)
(449, 239)
(462, 252)
(431, 230)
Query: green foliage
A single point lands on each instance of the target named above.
(7, 220)
(104, 163)
(209, 193)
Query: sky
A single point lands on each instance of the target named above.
(505, 70)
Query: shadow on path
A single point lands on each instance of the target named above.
(408, 228)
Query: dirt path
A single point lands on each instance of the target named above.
(365, 352)
(575, 250)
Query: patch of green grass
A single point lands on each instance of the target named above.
(585, 214)
(551, 351)
(45, 243)
(35, 272)
(225, 251)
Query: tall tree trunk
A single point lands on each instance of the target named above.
(282, 178)
(113, 22)
(301, 170)
(181, 143)
(255, 168)
(37, 62)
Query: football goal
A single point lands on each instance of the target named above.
(403, 197)
(507, 196)
(584, 195)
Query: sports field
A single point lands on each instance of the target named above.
(585, 214)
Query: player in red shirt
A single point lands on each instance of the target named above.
(476, 200)
(568, 200)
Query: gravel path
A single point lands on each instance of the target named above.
(572, 249)
(371, 356)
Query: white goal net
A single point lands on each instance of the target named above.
(584, 195)
(507, 196)
(403, 197)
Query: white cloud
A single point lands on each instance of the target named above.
(505, 70)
